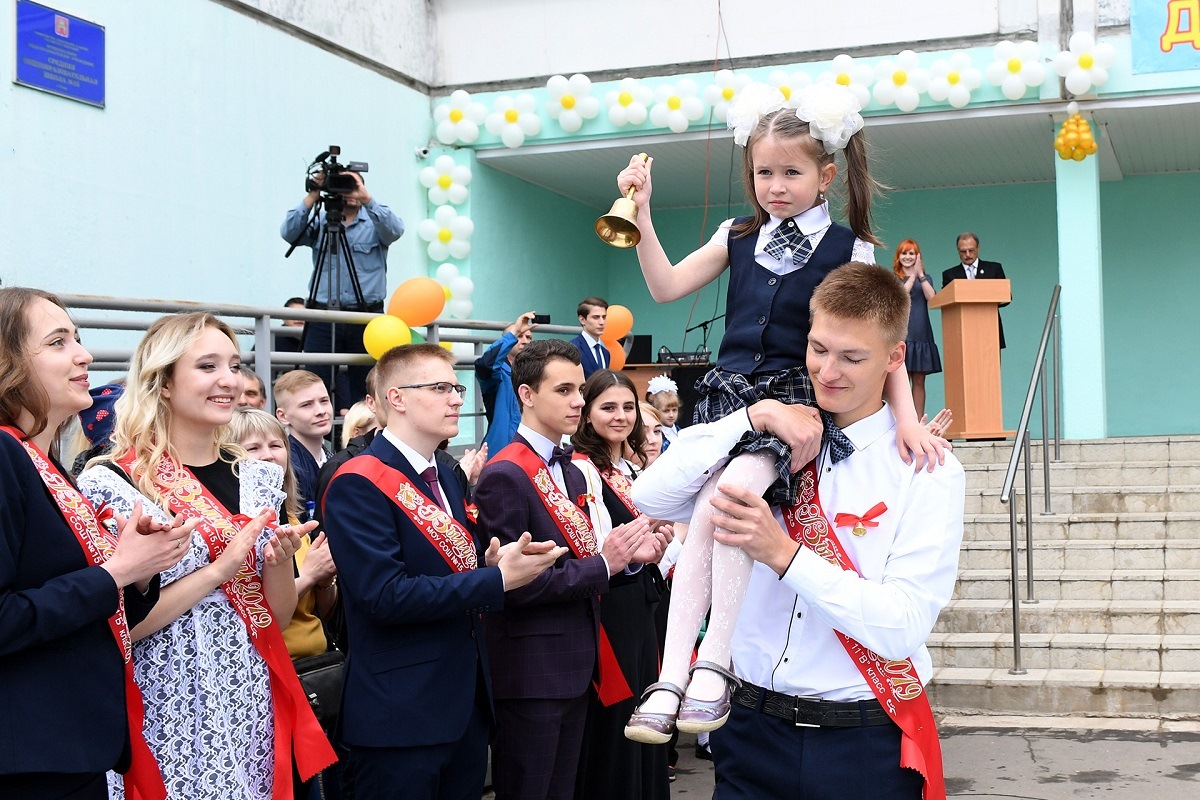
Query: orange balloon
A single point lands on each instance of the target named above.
(620, 322)
(417, 301)
(616, 356)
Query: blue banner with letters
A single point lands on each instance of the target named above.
(1165, 35)
(59, 53)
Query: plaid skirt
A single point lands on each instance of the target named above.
(722, 392)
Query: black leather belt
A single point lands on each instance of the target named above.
(811, 712)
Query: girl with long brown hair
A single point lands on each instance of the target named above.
(70, 586)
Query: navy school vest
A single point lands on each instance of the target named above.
(766, 315)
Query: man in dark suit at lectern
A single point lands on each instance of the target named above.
(972, 268)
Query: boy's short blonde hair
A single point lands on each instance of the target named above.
(865, 293)
(291, 382)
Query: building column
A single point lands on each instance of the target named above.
(1081, 305)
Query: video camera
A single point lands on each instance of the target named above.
(337, 181)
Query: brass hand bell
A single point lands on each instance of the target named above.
(619, 226)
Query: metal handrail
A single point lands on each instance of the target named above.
(1037, 380)
(263, 357)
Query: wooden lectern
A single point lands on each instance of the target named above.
(971, 356)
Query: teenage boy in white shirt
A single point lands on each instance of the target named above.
(818, 645)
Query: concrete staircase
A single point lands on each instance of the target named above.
(1116, 631)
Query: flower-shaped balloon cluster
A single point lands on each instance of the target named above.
(458, 289)
(1015, 67)
(1085, 62)
(953, 80)
(900, 82)
(571, 101)
(629, 103)
(854, 75)
(448, 234)
(512, 119)
(676, 105)
(458, 119)
(446, 181)
(790, 84)
(723, 91)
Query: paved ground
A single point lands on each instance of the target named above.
(1030, 758)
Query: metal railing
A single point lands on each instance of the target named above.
(259, 325)
(1050, 336)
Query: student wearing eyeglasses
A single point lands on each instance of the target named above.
(415, 581)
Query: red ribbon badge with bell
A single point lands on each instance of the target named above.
(860, 524)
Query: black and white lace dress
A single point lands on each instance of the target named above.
(209, 718)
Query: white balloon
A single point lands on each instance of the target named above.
(468, 131)
(458, 249)
(437, 251)
(1013, 87)
(457, 193)
(460, 309)
(462, 228)
(447, 132)
(446, 273)
(1078, 81)
(461, 287)
(512, 136)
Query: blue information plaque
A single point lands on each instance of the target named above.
(60, 54)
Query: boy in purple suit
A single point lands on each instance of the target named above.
(545, 644)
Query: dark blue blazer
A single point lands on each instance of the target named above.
(543, 643)
(416, 624)
(62, 678)
(588, 356)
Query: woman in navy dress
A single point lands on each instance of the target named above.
(69, 587)
(922, 357)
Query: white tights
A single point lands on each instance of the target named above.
(708, 572)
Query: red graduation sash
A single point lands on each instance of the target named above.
(616, 480)
(611, 686)
(895, 683)
(452, 541)
(296, 729)
(143, 781)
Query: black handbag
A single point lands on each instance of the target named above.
(321, 678)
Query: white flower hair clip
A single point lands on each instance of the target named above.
(754, 102)
(832, 113)
(661, 383)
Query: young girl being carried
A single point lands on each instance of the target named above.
(775, 258)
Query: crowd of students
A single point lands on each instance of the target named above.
(512, 601)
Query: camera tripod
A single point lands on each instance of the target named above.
(333, 250)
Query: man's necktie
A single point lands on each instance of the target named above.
(839, 444)
(972, 272)
(787, 237)
(435, 491)
(600, 357)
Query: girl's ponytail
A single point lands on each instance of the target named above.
(861, 189)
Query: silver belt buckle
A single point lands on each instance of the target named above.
(796, 712)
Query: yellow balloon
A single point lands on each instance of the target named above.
(448, 346)
(1092, 148)
(1079, 155)
(1064, 154)
(446, 291)
(1060, 143)
(383, 333)
(1071, 139)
